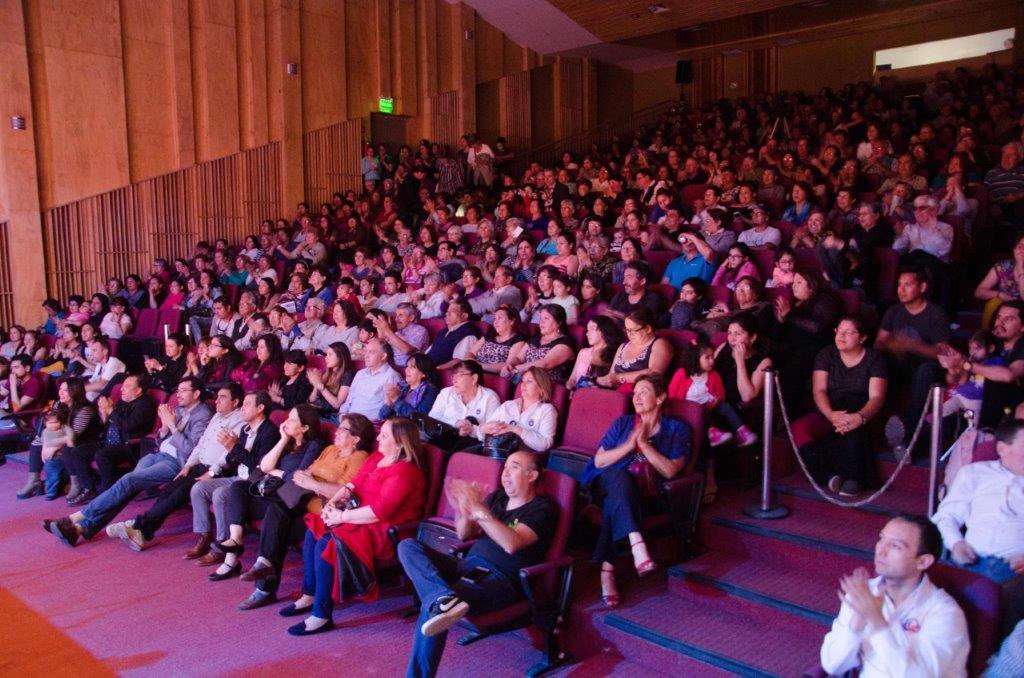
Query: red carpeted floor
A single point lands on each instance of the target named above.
(756, 603)
(154, 614)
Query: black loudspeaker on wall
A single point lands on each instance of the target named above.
(684, 72)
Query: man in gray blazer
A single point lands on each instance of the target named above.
(180, 430)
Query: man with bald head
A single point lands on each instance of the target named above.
(512, 526)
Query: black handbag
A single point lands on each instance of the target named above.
(501, 445)
(435, 432)
(265, 486)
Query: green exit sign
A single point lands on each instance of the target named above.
(386, 105)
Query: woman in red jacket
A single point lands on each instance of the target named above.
(350, 534)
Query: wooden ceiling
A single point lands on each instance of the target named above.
(614, 20)
(805, 22)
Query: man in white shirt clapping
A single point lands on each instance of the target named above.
(987, 498)
(899, 623)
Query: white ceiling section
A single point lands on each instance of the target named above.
(536, 24)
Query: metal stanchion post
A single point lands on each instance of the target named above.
(764, 510)
(936, 443)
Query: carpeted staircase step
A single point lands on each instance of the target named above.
(726, 631)
(817, 525)
(804, 589)
(894, 501)
(18, 457)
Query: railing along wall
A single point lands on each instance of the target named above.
(549, 154)
(332, 156)
(6, 283)
(121, 231)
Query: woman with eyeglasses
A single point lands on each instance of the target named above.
(321, 479)
(849, 385)
(465, 404)
(641, 354)
(349, 536)
(737, 265)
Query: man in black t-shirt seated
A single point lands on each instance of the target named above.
(913, 333)
(513, 527)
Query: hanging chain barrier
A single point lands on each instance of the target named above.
(902, 460)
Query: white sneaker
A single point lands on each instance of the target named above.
(446, 611)
(126, 532)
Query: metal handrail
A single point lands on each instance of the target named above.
(549, 153)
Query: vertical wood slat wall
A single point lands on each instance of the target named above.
(570, 113)
(6, 286)
(516, 125)
(446, 118)
(123, 230)
(332, 156)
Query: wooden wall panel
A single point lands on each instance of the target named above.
(569, 93)
(332, 160)
(446, 118)
(488, 109)
(516, 124)
(7, 316)
(121, 231)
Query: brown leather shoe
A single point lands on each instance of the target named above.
(211, 558)
(257, 572)
(201, 548)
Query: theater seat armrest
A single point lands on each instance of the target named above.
(401, 531)
(461, 548)
(682, 482)
(544, 568)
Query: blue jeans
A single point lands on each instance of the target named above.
(992, 567)
(56, 476)
(318, 575)
(435, 574)
(152, 471)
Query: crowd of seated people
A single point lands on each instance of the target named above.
(683, 263)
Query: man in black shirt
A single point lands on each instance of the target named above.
(912, 333)
(635, 293)
(513, 528)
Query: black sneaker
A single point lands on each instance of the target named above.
(444, 613)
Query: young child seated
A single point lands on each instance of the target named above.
(964, 390)
(697, 381)
(785, 265)
(692, 305)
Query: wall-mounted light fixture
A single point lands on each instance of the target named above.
(18, 122)
(293, 69)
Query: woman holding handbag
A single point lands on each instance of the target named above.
(636, 452)
(350, 534)
(299, 445)
(307, 491)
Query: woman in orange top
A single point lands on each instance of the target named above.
(344, 542)
(336, 466)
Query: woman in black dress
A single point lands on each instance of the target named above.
(849, 383)
(804, 328)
